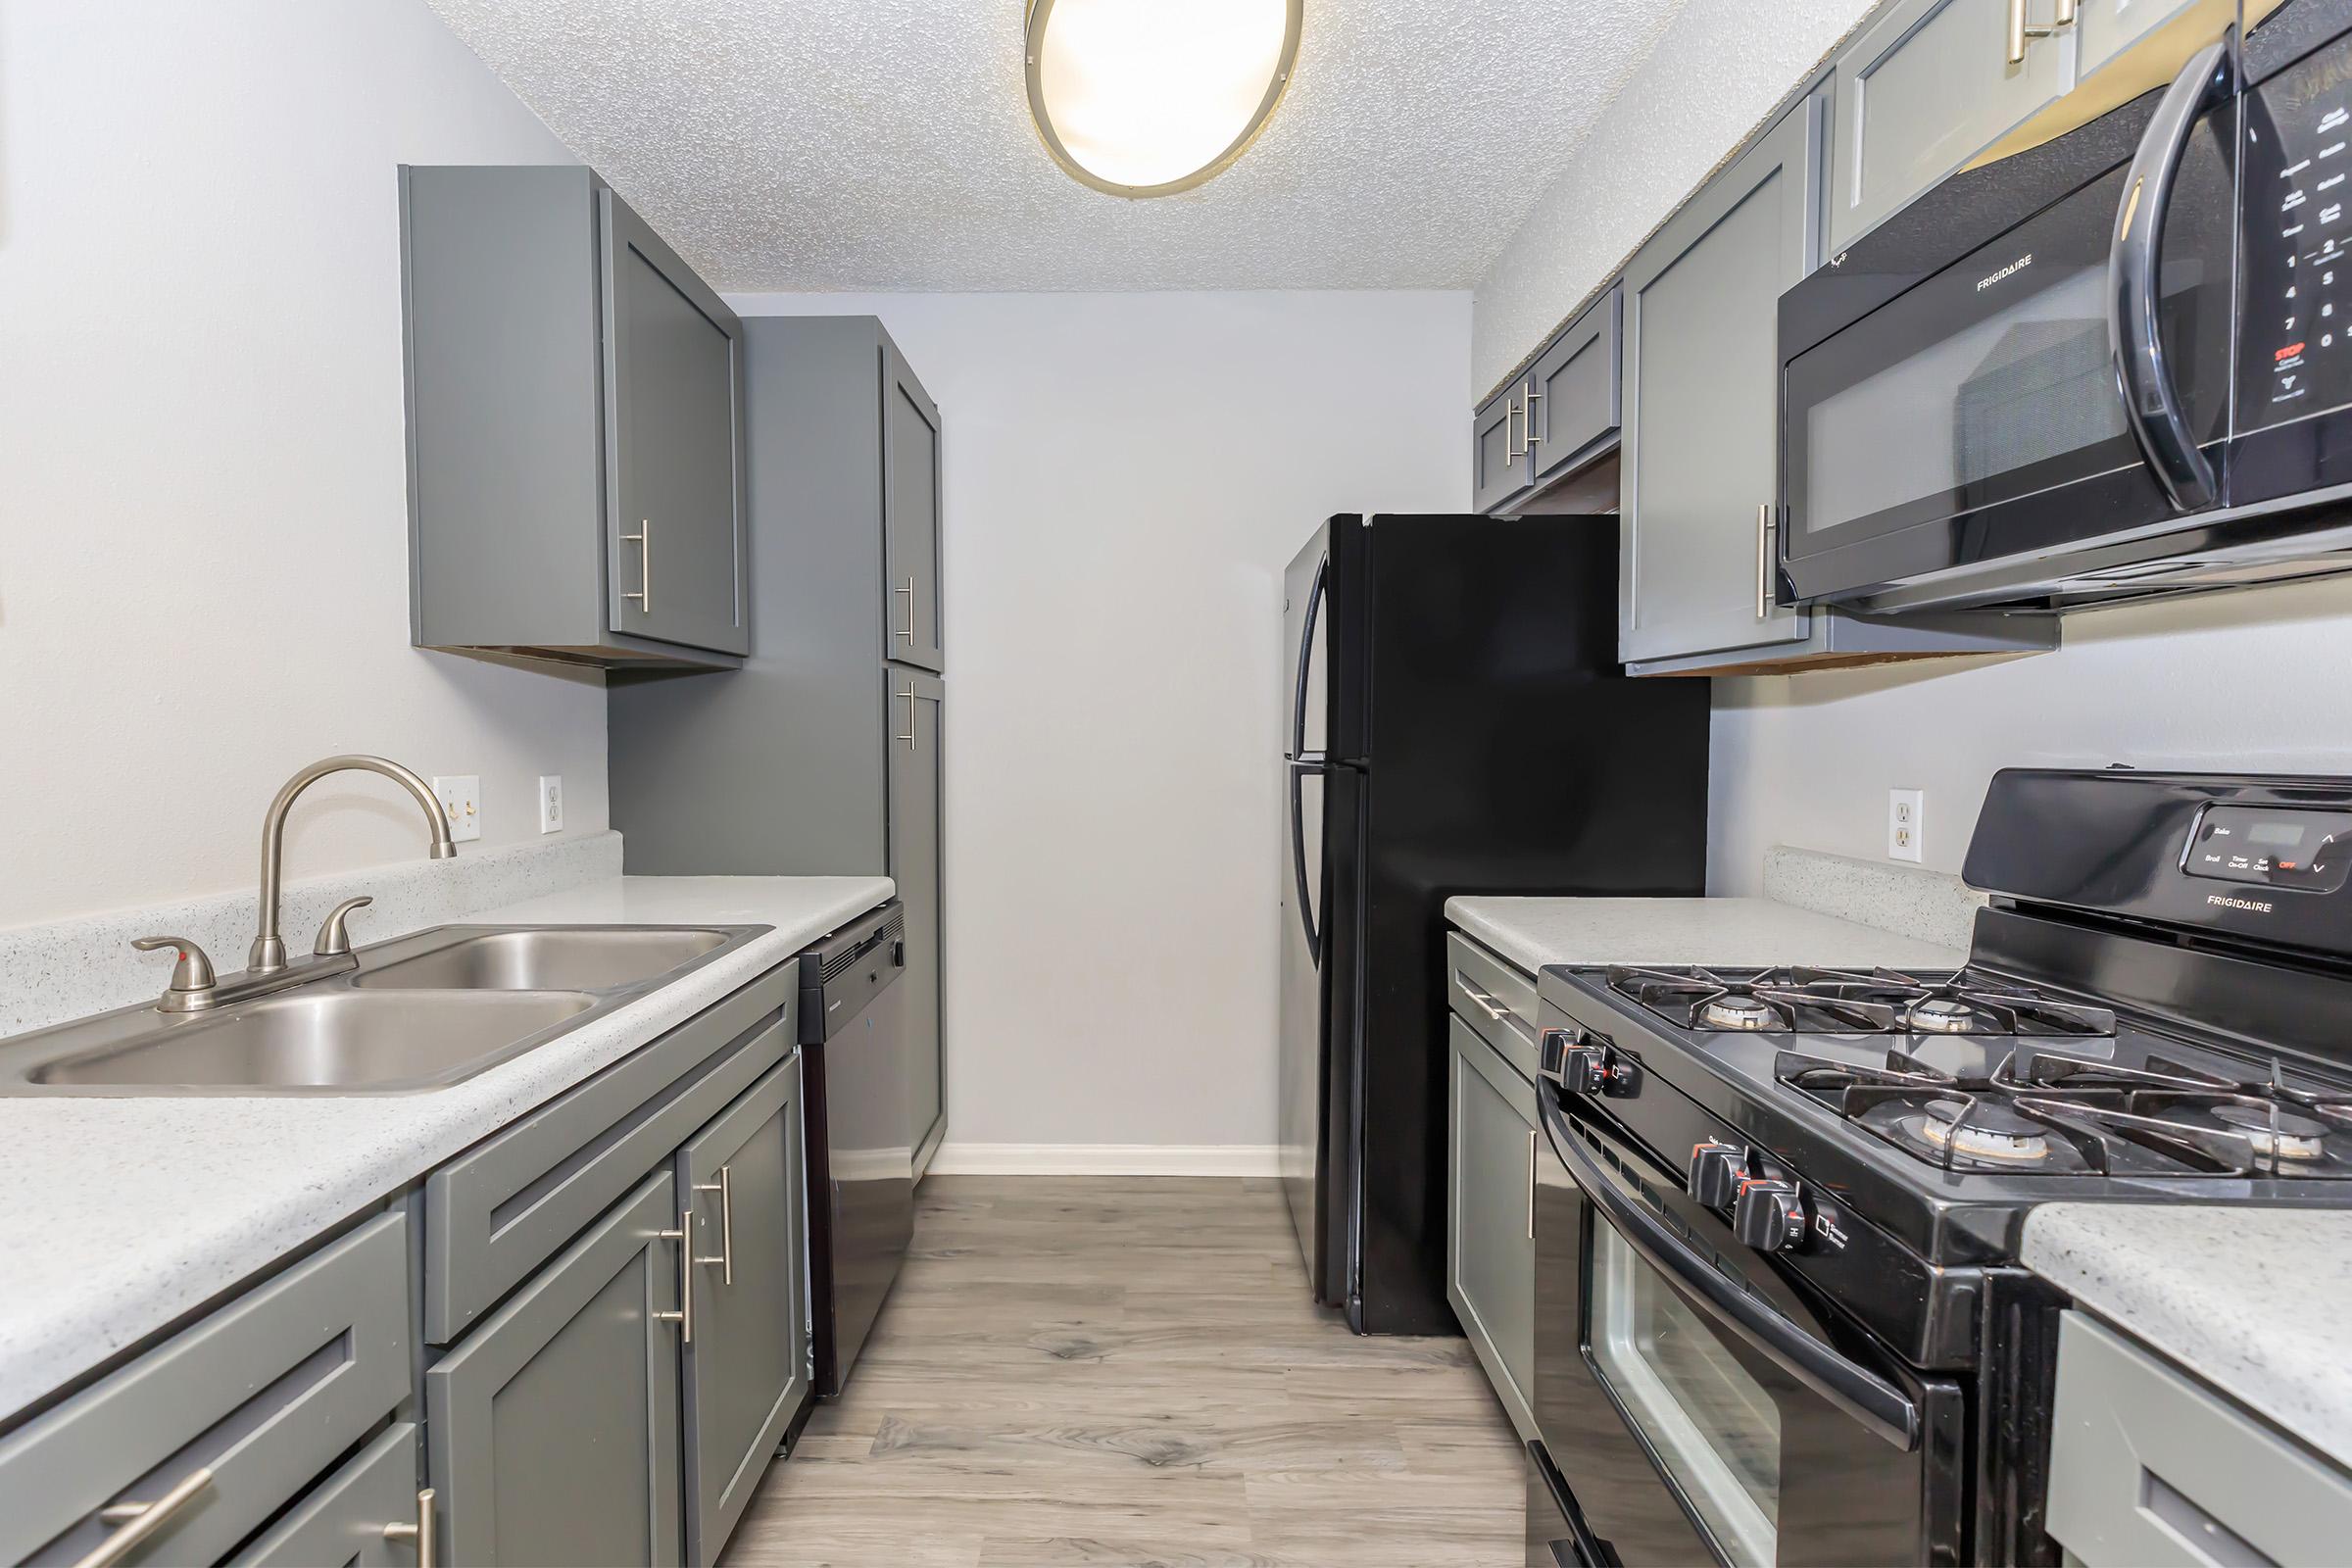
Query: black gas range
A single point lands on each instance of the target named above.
(1780, 1313)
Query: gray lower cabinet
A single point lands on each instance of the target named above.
(223, 1425)
(1491, 1216)
(917, 769)
(2149, 1467)
(365, 1515)
(1700, 470)
(910, 511)
(1924, 87)
(747, 1362)
(554, 1424)
(576, 427)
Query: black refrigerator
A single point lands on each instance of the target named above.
(1457, 722)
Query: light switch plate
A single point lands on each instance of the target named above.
(1907, 811)
(551, 802)
(460, 795)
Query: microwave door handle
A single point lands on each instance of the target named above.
(2151, 403)
(1862, 1394)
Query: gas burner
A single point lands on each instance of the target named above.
(2276, 1132)
(1737, 1011)
(1982, 1130)
(1943, 1016)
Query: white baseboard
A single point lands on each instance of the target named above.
(1104, 1159)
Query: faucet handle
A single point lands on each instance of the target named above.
(192, 982)
(334, 940)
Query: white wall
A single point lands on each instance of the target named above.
(202, 549)
(1718, 69)
(1125, 478)
(2251, 681)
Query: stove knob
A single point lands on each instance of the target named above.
(1715, 1172)
(1769, 1214)
(1598, 1069)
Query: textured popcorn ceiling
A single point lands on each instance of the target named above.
(886, 144)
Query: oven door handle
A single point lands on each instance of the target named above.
(1870, 1399)
(2151, 403)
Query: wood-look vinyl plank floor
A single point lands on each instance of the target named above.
(1127, 1373)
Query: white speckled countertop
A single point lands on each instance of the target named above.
(119, 1215)
(1732, 932)
(2257, 1301)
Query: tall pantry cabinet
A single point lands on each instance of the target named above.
(822, 755)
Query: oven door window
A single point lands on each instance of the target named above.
(1713, 1427)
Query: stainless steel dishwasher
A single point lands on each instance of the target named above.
(854, 1038)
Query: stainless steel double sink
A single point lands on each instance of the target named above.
(418, 1012)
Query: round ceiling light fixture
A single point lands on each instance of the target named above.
(1150, 97)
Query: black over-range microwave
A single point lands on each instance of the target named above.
(2117, 363)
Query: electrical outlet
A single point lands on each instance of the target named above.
(1905, 811)
(460, 795)
(551, 802)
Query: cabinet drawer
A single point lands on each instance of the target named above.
(1572, 392)
(344, 1518)
(263, 1393)
(495, 1214)
(1494, 998)
(2148, 1467)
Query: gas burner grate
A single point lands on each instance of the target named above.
(1809, 1001)
(2056, 1114)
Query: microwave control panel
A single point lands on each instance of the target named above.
(2276, 847)
(2297, 275)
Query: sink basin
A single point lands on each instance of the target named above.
(550, 958)
(327, 1040)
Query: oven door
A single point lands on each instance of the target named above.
(1695, 1409)
(1957, 420)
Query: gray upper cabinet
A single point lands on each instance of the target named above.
(576, 427)
(2106, 29)
(554, 1427)
(911, 508)
(1927, 86)
(1499, 465)
(917, 709)
(747, 1362)
(1701, 405)
(1571, 391)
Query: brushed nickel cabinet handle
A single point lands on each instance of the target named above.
(1483, 1002)
(421, 1532)
(1512, 450)
(1529, 397)
(907, 636)
(136, 1522)
(1765, 528)
(1531, 1184)
(683, 1317)
(912, 744)
(724, 1187)
(643, 539)
(2019, 32)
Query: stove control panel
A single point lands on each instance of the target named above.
(2272, 846)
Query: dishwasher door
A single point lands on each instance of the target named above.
(871, 1158)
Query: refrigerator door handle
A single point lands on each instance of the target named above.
(1299, 770)
(1307, 653)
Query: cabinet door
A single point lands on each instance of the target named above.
(1498, 459)
(673, 451)
(747, 1364)
(916, 707)
(1924, 89)
(2105, 29)
(1702, 404)
(1490, 1219)
(910, 543)
(553, 1427)
(1572, 390)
